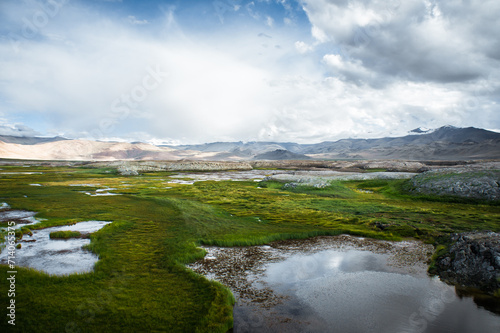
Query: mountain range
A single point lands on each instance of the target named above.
(445, 143)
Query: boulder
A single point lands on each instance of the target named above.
(472, 260)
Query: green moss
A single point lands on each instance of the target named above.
(22, 231)
(439, 252)
(376, 170)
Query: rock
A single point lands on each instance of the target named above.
(483, 185)
(473, 260)
(289, 186)
(382, 226)
(127, 171)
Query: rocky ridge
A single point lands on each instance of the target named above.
(136, 167)
(464, 182)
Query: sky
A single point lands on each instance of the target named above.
(306, 71)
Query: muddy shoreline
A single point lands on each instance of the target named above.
(241, 269)
(268, 300)
(235, 266)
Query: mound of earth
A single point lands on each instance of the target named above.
(484, 185)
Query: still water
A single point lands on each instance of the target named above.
(356, 291)
(347, 285)
(56, 256)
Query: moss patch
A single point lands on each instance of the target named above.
(65, 234)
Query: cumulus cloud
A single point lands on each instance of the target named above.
(303, 47)
(440, 41)
(332, 109)
(351, 70)
(447, 51)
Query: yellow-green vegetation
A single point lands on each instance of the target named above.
(440, 250)
(65, 234)
(22, 231)
(140, 282)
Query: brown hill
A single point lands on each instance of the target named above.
(81, 150)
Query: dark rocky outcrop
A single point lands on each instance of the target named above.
(472, 260)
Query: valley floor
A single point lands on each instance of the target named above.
(141, 283)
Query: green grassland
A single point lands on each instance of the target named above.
(65, 234)
(140, 282)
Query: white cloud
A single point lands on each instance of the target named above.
(269, 21)
(353, 70)
(208, 94)
(133, 20)
(319, 35)
(250, 7)
(303, 47)
(329, 109)
(442, 41)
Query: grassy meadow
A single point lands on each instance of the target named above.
(140, 282)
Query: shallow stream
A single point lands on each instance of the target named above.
(56, 256)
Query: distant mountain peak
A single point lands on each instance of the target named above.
(420, 130)
(280, 154)
(450, 127)
(425, 130)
